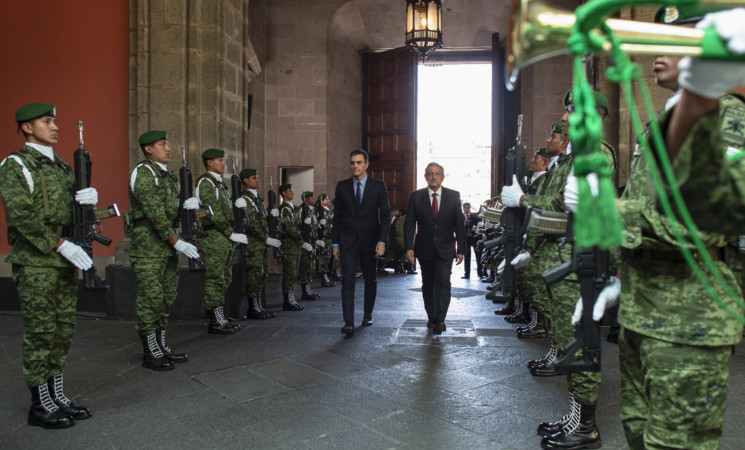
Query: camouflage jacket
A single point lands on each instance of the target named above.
(661, 297)
(32, 232)
(710, 168)
(292, 241)
(328, 216)
(214, 193)
(398, 230)
(256, 212)
(154, 202)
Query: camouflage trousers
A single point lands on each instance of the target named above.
(307, 267)
(257, 271)
(323, 261)
(157, 280)
(672, 395)
(48, 297)
(563, 298)
(289, 272)
(216, 252)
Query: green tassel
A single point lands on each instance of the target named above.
(596, 221)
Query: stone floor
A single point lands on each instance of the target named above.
(295, 382)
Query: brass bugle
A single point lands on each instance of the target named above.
(539, 31)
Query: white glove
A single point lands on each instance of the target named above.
(607, 298)
(728, 25)
(274, 212)
(307, 247)
(322, 221)
(571, 190)
(75, 254)
(307, 221)
(320, 243)
(480, 224)
(239, 238)
(518, 262)
(87, 196)
(273, 242)
(240, 203)
(191, 203)
(187, 249)
(511, 194)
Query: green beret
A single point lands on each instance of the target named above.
(681, 15)
(35, 110)
(284, 187)
(557, 128)
(307, 194)
(245, 173)
(151, 136)
(323, 197)
(543, 151)
(212, 153)
(600, 99)
(395, 208)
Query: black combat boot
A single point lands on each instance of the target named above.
(152, 357)
(507, 309)
(219, 324)
(399, 267)
(326, 281)
(255, 311)
(167, 352)
(533, 320)
(262, 303)
(549, 357)
(538, 328)
(550, 428)
(57, 393)
(44, 412)
(290, 304)
(308, 294)
(522, 315)
(578, 432)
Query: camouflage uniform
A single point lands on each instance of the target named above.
(677, 344)
(257, 266)
(306, 269)
(154, 202)
(47, 283)
(291, 243)
(216, 249)
(324, 260)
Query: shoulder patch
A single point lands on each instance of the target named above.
(732, 119)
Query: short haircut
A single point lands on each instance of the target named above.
(434, 164)
(466, 203)
(359, 151)
(142, 147)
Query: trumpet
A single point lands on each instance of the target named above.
(539, 31)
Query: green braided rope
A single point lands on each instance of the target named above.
(628, 74)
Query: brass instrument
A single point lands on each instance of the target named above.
(539, 31)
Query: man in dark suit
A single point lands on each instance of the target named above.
(470, 220)
(361, 224)
(434, 222)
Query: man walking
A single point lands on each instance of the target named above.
(434, 223)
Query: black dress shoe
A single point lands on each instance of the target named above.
(430, 323)
(348, 329)
(544, 370)
(465, 277)
(439, 328)
(367, 321)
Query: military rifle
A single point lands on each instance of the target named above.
(87, 217)
(274, 224)
(593, 272)
(240, 219)
(191, 226)
(512, 218)
(308, 231)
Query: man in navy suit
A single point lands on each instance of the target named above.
(434, 223)
(361, 224)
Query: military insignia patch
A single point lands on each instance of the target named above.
(733, 126)
(671, 14)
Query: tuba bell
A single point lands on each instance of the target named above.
(539, 31)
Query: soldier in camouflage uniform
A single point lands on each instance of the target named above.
(218, 246)
(37, 191)
(153, 252)
(394, 252)
(292, 245)
(257, 265)
(578, 427)
(309, 227)
(677, 343)
(324, 222)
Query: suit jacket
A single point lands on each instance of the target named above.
(435, 237)
(473, 220)
(366, 224)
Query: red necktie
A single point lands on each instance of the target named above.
(434, 205)
(359, 193)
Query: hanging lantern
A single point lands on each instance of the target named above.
(423, 25)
